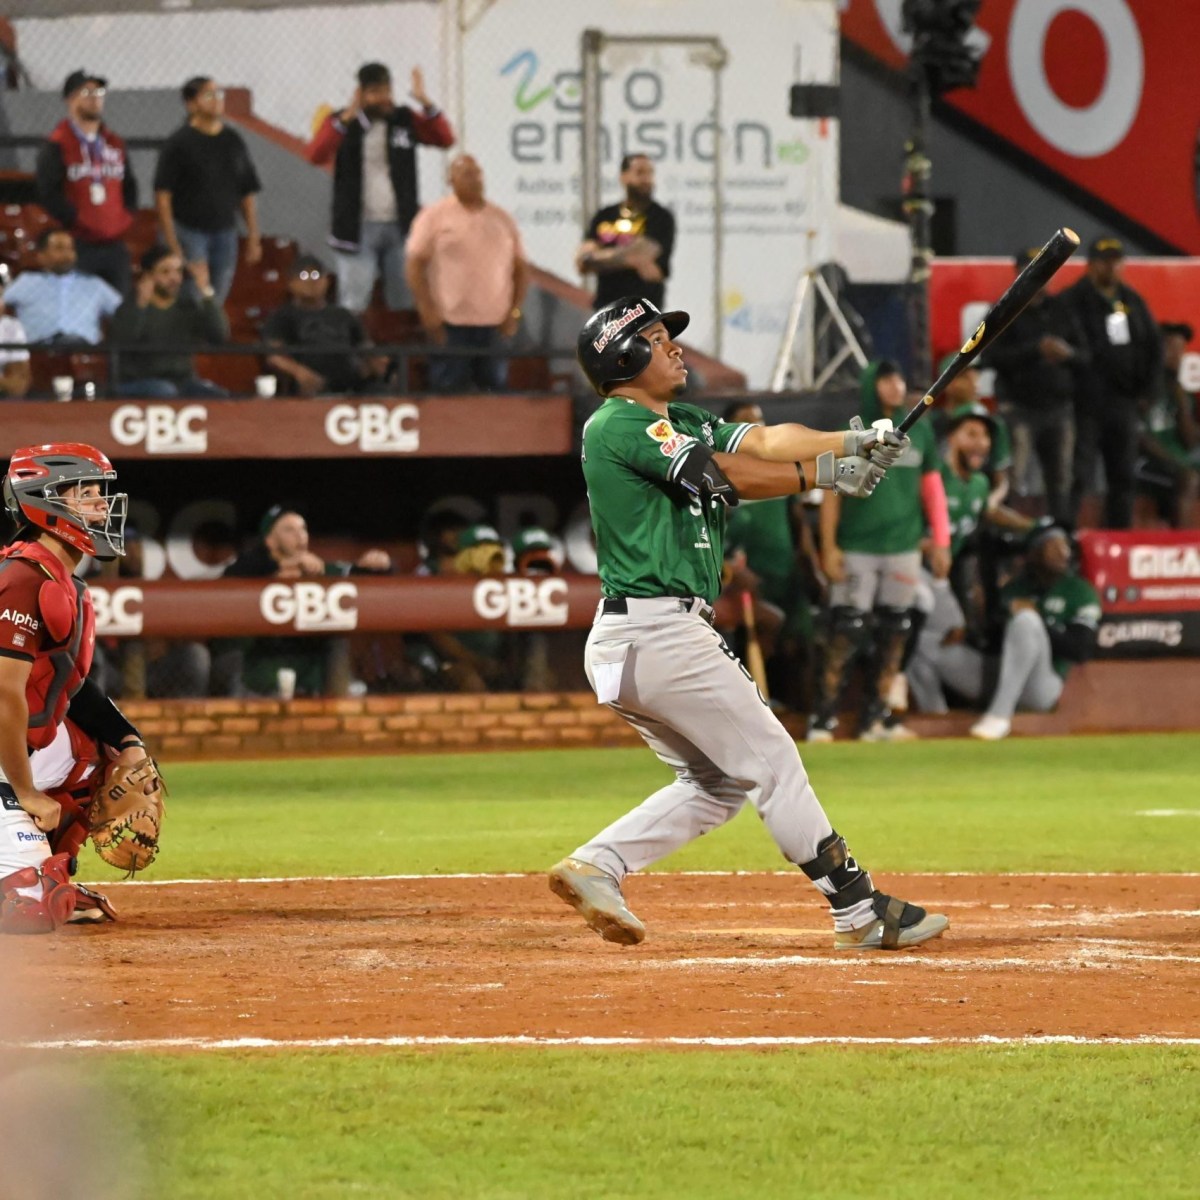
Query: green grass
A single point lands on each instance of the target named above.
(1022, 805)
(822, 1124)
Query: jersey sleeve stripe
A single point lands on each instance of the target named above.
(738, 434)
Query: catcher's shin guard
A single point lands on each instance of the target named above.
(37, 899)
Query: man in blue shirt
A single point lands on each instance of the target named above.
(59, 303)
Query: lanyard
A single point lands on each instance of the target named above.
(95, 158)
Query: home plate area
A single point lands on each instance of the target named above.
(743, 959)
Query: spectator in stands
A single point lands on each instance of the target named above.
(163, 322)
(59, 303)
(1169, 467)
(373, 147)
(1052, 619)
(468, 272)
(628, 245)
(282, 552)
(14, 358)
(1121, 374)
(84, 181)
(203, 179)
(871, 552)
(1038, 363)
(333, 339)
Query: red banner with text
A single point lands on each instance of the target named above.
(1098, 91)
(1149, 585)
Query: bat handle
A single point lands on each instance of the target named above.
(913, 414)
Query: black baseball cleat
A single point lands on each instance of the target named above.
(898, 925)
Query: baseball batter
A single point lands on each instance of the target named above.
(661, 476)
(53, 717)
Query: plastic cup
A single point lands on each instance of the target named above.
(64, 387)
(286, 679)
(264, 386)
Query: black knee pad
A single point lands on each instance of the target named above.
(891, 622)
(852, 623)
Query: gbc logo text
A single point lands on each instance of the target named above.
(163, 428)
(522, 602)
(374, 427)
(118, 611)
(308, 606)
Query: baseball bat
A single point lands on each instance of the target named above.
(754, 656)
(998, 318)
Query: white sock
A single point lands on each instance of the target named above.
(855, 917)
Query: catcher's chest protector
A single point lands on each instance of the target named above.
(65, 607)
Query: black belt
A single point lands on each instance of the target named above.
(619, 605)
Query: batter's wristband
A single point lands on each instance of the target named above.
(803, 479)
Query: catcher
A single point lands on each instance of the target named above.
(70, 763)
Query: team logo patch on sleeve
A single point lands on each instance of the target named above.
(675, 444)
(661, 431)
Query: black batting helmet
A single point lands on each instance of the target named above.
(610, 348)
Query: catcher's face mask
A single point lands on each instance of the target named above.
(66, 489)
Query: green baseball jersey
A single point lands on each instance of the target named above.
(965, 500)
(1070, 600)
(763, 529)
(892, 519)
(1000, 458)
(650, 540)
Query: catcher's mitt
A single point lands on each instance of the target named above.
(126, 813)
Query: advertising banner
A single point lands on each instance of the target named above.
(1098, 90)
(521, 79)
(438, 427)
(359, 604)
(1149, 585)
(961, 290)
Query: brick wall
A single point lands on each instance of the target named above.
(188, 729)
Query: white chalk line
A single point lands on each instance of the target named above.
(485, 875)
(1092, 956)
(529, 1040)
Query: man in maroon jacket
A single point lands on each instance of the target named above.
(84, 181)
(373, 147)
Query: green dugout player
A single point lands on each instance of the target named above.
(661, 476)
(871, 554)
(1053, 619)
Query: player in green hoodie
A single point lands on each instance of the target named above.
(871, 556)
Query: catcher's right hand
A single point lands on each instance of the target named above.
(126, 812)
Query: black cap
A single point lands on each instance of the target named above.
(305, 262)
(1106, 247)
(1177, 329)
(609, 348)
(77, 79)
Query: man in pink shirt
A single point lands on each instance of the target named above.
(468, 273)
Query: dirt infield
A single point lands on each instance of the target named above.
(726, 956)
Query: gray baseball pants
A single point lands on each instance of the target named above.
(1027, 677)
(669, 674)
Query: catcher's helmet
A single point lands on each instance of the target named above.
(36, 477)
(611, 348)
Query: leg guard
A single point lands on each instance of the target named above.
(892, 629)
(836, 874)
(848, 637)
(37, 899)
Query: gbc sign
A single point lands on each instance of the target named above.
(118, 611)
(309, 607)
(374, 428)
(522, 602)
(161, 428)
